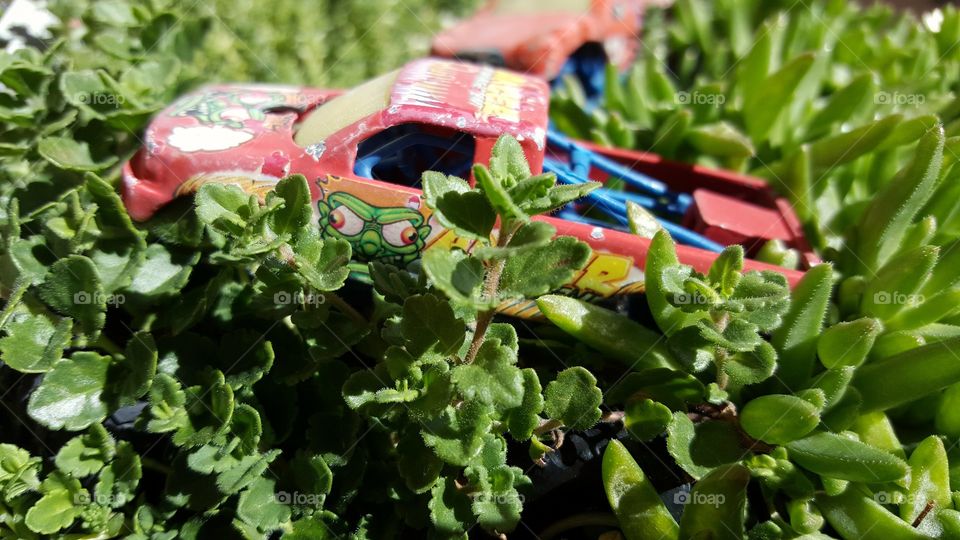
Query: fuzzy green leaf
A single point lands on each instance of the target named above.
(119, 480)
(855, 515)
(73, 288)
(167, 401)
(765, 107)
(260, 506)
(491, 378)
(645, 419)
(456, 435)
(539, 270)
(573, 398)
(522, 420)
(725, 270)
(225, 207)
(417, 464)
(246, 472)
(701, 447)
(429, 327)
(35, 339)
(796, 338)
(296, 212)
(662, 255)
(459, 277)
(450, 511)
(244, 356)
(86, 454)
(72, 155)
(69, 396)
(469, 214)
(322, 262)
(53, 512)
(129, 378)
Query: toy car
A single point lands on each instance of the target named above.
(364, 151)
(548, 38)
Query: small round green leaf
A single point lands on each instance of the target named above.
(574, 399)
(779, 419)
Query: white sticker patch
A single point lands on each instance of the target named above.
(207, 138)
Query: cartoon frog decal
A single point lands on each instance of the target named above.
(228, 109)
(393, 235)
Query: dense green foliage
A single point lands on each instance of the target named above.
(214, 374)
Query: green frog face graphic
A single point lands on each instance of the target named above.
(393, 235)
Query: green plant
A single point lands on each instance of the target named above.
(814, 421)
(450, 395)
(823, 100)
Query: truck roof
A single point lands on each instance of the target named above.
(474, 98)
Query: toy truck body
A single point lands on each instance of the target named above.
(363, 153)
(547, 38)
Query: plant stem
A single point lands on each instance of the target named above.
(108, 345)
(612, 417)
(547, 426)
(346, 308)
(151, 463)
(723, 379)
(491, 283)
(19, 288)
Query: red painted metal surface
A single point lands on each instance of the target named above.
(537, 36)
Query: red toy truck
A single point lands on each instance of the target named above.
(548, 38)
(363, 153)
